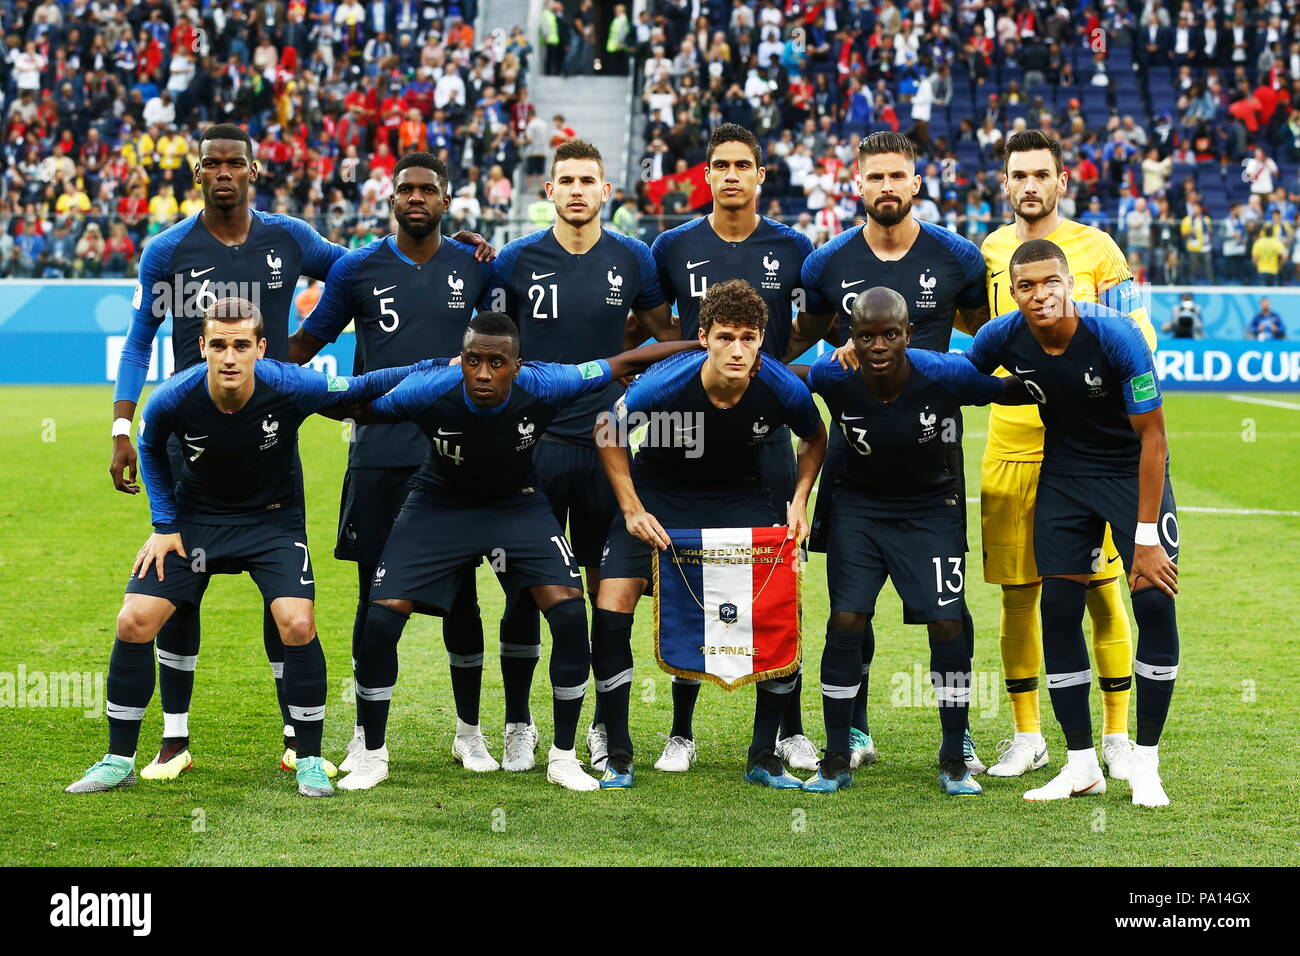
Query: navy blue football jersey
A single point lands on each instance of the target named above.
(573, 308)
(185, 269)
(479, 454)
(692, 445)
(237, 467)
(405, 311)
(692, 257)
(940, 274)
(896, 452)
(1086, 394)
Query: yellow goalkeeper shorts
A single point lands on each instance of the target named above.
(1008, 492)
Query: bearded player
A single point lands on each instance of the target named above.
(1034, 181)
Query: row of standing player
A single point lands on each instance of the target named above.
(730, 242)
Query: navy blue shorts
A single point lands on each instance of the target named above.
(434, 540)
(626, 556)
(580, 494)
(1071, 516)
(371, 499)
(274, 553)
(924, 556)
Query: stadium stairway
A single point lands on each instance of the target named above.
(596, 107)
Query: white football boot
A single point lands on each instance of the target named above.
(520, 747)
(1116, 751)
(598, 746)
(678, 755)
(469, 748)
(797, 751)
(563, 767)
(1080, 777)
(1144, 778)
(1021, 754)
(370, 768)
(356, 747)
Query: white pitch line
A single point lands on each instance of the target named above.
(1216, 511)
(1264, 401)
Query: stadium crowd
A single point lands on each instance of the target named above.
(1176, 122)
(103, 105)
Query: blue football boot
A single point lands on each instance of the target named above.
(766, 768)
(618, 771)
(832, 775)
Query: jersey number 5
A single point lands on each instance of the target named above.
(386, 310)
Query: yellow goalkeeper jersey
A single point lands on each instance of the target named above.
(1101, 274)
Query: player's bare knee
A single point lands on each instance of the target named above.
(619, 594)
(944, 632)
(297, 630)
(134, 626)
(849, 621)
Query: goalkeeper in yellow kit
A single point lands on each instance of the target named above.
(1009, 473)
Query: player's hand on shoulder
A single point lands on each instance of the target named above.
(645, 526)
(1151, 565)
(154, 553)
(484, 251)
(122, 466)
(847, 357)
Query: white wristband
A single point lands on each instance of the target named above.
(122, 426)
(1147, 533)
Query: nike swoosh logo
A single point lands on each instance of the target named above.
(195, 437)
(996, 274)
(311, 715)
(306, 580)
(1112, 560)
(382, 291)
(949, 601)
(542, 275)
(1023, 371)
(195, 273)
(1160, 673)
(850, 285)
(443, 433)
(1054, 683)
(692, 265)
(852, 418)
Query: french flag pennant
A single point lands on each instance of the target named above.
(727, 605)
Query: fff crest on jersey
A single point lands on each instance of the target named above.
(771, 265)
(614, 295)
(457, 286)
(274, 262)
(926, 299)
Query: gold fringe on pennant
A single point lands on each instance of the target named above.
(771, 673)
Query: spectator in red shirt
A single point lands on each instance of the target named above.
(383, 158)
(1087, 175)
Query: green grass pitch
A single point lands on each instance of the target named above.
(68, 540)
